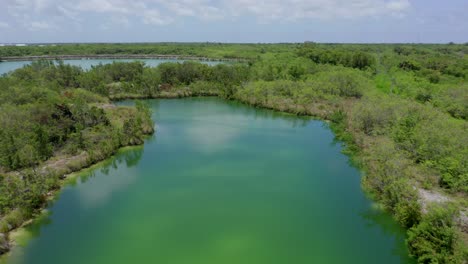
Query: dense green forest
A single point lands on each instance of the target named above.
(401, 110)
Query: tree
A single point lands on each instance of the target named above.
(43, 146)
(433, 240)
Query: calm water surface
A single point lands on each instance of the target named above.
(86, 64)
(219, 183)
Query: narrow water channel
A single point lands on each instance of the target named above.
(219, 183)
(86, 64)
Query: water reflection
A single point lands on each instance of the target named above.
(100, 190)
(131, 156)
(95, 193)
(379, 219)
(274, 192)
(86, 64)
(223, 122)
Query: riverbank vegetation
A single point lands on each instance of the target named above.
(49, 130)
(205, 50)
(401, 110)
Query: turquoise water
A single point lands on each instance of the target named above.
(86, 64)
(220, 183)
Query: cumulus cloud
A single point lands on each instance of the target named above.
(41, 25)
(4, 25)
(109, 6)
(154, 17)
(398, 6)
(116, 21)
(163, 12)
(317, 9)
(203, 9)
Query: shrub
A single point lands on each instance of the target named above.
(434, 239)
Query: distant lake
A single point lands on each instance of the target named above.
(86, 64)
(219, 183)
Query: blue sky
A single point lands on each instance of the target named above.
(433, 21)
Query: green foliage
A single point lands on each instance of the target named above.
(408, 65)
(42, 114)
(205, 88)
(131, 130)
(149, 81)
(212, 50)
(13, 220)
(434, 239)
(453, 100)
(60, 74)
(400, 109)
(26, 192)
(374, 116)
(330, 85)
(342, 82)
(416, 131)
(140, 124)
(402, 50)
(337, 56)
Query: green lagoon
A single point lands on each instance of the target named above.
(219, 183)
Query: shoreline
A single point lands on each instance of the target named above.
(118, 56)
(187, 93)
(20, 233)
(60, 167)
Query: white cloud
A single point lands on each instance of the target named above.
(180, 9)
(4, 25)
(399, 5)
(154, 17)
(119, 21)
(68, 13)
(288, 10)
(163, 12)
(41, 25)
(202, 9)
(211, 13)
(104, 6)
(99, 190)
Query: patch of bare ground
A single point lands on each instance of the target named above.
(427, 197)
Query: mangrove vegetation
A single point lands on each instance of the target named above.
(401, 111)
